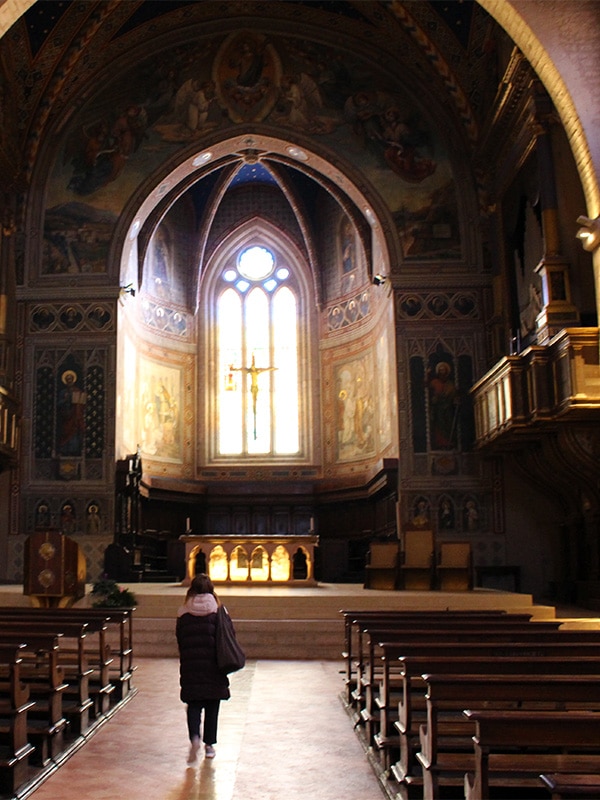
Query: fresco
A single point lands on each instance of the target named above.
(160, 410)
(387, 400)
(471, 514)
(441, 405)
(355, 409)
(446, 514)
(70, 407)
(421, 512)
(69, 417)
(127, 415)
(143, 117)
(161, 265)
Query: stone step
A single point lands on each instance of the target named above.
(275, 622)
(260, 638)
(324, 602)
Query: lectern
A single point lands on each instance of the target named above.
(54, 569)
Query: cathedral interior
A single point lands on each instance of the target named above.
(303, 268)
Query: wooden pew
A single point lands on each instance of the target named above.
(65, 649)
(446, 738)
(461, 627)
(392, 652)
(412, 701)
(44, 677)
(84, 642)
(371, 704)
(356, 620)
(78, 705)
(120, 623)
(370, 631)
(117, 636)
(374, 699)
(512, 748)
(15, 704)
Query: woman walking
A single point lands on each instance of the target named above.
(202, 685)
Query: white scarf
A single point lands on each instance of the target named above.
(199, 605)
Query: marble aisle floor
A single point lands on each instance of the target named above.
(283, 735)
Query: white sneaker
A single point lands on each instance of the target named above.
(209, 751)
(193, 754)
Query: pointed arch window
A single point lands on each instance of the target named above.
(258, 406)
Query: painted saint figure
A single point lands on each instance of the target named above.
(93, 521)
(443, 407)
(71, 415)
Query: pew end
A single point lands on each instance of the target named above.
(565, 786)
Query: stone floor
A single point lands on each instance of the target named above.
(283, 735)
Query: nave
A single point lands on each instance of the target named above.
(283, 734)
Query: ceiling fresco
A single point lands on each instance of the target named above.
(177, 97)
(57, 43)
(41, 18)
(124, 87)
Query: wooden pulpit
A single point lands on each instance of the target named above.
(54, 569)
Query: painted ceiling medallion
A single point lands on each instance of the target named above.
(248, 77)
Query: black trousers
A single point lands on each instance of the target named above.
(211, 717)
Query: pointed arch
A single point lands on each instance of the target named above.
(256, 329)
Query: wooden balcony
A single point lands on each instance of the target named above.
(535, 392)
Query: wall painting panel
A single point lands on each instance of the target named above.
(161, 403)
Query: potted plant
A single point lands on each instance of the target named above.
(108, 594)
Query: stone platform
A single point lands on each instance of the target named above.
(281, 622)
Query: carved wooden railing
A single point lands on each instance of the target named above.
(540, 388)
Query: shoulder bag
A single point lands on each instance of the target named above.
(230, 656)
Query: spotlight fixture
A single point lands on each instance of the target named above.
(379, 279)
(589, 233)
(127, 290)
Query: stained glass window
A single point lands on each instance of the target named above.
(257, 344)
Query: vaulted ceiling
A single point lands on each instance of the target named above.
(452, 50)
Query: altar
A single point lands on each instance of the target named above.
(264, 560)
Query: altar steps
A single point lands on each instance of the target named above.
(156, 576)
(299, 623)
(285, 639)
(276, 622)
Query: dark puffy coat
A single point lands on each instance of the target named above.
(199, 677)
